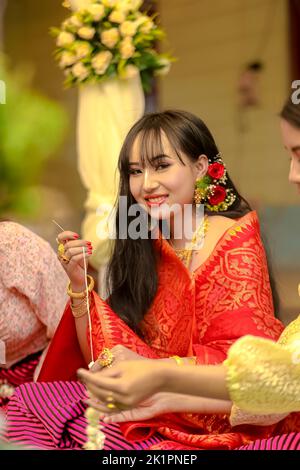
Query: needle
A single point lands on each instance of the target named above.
(58, 225)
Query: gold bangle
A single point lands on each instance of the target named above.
(81, 309)
(81, 295)
(192, 360)
(179, 361)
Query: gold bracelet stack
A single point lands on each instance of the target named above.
(81, 309)
(81, 295)
(179, 361)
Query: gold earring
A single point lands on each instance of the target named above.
(201, 189)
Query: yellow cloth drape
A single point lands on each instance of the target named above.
(264, 376)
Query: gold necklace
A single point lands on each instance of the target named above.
(185, 254)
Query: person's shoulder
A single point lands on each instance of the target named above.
(16, 236)
(221, 223)
(226, 223)
(13, 230)
(247, 224)
(9, 231)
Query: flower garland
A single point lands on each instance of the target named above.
(109, 38)
(96, 437)
(6, 390)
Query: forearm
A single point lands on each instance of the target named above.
(202, 381)
(180, 403)
(81, 323)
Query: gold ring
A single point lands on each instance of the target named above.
(61, 249)
(64, 259)
(106, 358)
(111, 406)
(110, 402)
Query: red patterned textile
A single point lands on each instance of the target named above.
(200, 314)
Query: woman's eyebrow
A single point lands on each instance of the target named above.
(153, 159)
(160, 157)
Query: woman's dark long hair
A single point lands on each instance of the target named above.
(291, 113)
(132, 272)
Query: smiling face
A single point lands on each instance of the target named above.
(291, 141)
(163, 180)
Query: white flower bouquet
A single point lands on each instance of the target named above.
(109, 38)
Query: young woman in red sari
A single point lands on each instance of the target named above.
(166, 302)
(261, 377)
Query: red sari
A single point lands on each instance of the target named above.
(199, 314)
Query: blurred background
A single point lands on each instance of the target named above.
(236, 61)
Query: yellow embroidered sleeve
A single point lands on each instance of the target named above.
(264, 376)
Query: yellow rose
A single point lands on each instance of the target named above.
(66, 59)
(117, 16)
(75, 21)
(80, 71)
(166, 65)
(82, 49)
(101, 62)
(64, 39)
(110, 37)
(97, 11)
(146, 26)
(109, 3)
(86, 32)
(136, 4)
(128, 28)
(67, 72)
(127, 48)
(130, 71)
(129, 5)
(79, 4)
(65, 24)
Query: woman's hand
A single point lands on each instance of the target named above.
(129, 382)
(74, 252)
(120, 354)
(162, 403)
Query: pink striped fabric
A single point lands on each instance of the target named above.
(51, 416)
(289, 441)
(19, 373)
